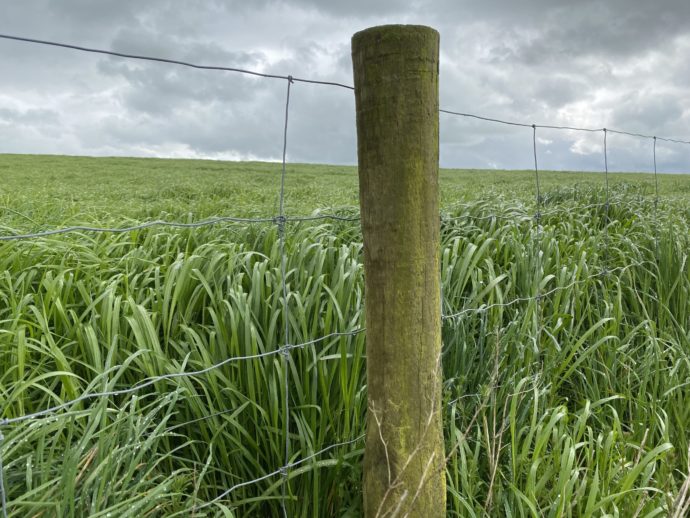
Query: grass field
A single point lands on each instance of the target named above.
(57, 189)
(573, 404)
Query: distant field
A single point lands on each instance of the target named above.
(566, 342)
(60, 190)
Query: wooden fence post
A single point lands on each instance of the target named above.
(396, 94)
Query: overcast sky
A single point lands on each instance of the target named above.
(622, 64)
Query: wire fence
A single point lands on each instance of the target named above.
(280, 221)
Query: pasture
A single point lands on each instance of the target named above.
(570, 403)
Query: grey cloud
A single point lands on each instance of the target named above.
(558, 90)
(30, 117)
(606, 30)
(641, 110)
(157, 88)
(355, 8)
(620, 63)
(254, 129)
(90, 15)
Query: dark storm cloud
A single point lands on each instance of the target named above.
(620, 63)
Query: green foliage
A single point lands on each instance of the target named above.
(570, 405)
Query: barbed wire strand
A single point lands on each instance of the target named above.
(286, 308)
(3, 497)
(170, 61)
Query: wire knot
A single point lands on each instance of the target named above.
(284, 471)
(280, 220)
(291, 79)
(285, 350)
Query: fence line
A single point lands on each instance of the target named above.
(281, 221)
(155, 379)
(286, 348)
(569, 128)
(486, 307)
(291, 219)
(173, 224)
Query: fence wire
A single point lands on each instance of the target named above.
(509, 214)
(288, 347)
(171, 61)
(568, 128)
(173, 224)
(487, 307)
(283, 471)
(284, 350)
(282, 219)
(313, 81)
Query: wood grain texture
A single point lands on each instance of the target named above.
(396, 92)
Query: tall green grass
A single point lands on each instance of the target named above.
(570, 404)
